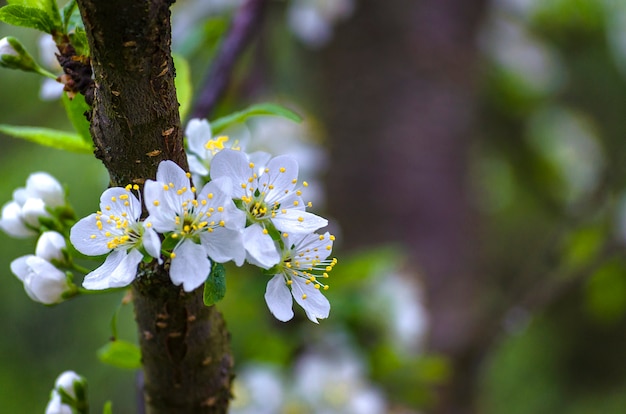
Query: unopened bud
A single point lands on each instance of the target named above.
(14, 56)
(50, 246)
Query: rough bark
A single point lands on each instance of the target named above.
(400, 103)
(135, 124)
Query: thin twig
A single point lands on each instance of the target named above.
(244, 24)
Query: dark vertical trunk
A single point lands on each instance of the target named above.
(135, 124)
(400, 102)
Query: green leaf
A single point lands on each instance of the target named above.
(78, 38)
(120, 354)
(75, 109)
(25, 16)
(255, 110)
(50, 7)
(66, 13)
(215, 285)
(67, 141)
(184, 90)
(108, 408)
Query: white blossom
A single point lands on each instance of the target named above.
(269, 197)
(42, 281)
(206, 226)
(203, 145)
(304, 261)
(115, 228)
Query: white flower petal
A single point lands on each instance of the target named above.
(118, 270)
(298, 221)
(232, 164)
(282, 174)
(44, 283)
(20, 268)
(196, 166)
(44, 186)
(152, 243)
(66, 380)
(81, 237)
(169, 172)
(191, 266)
(315, 305)
(56, 406)
(198, 132)
(223, 245)
(312, 242)
(117, 201)
(278, 298)
(260, 248)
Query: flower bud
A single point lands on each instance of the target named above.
(43, 185)
(11, 221)
(32, 209)
(72, 384)
(56, 406)
(42, 281)
(50, 246)
(14, 56)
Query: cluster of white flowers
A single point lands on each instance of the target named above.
(277, 232)
(249, 209)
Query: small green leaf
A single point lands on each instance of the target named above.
(24, 16)
(108, 408)
(184, 90)
(255, 110)
(66, 13)
(75, 109)
(215, 285)
(78, 38)
(67, 141)
(120, 354)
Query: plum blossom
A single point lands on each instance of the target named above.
(304, 260)
(202, 145)
(115, 228)
(21, 216)
(205, 226)
(270, 199)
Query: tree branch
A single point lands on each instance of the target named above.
(135, 124)
(244, 24)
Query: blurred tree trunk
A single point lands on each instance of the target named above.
(400, 101)
(135, 124)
